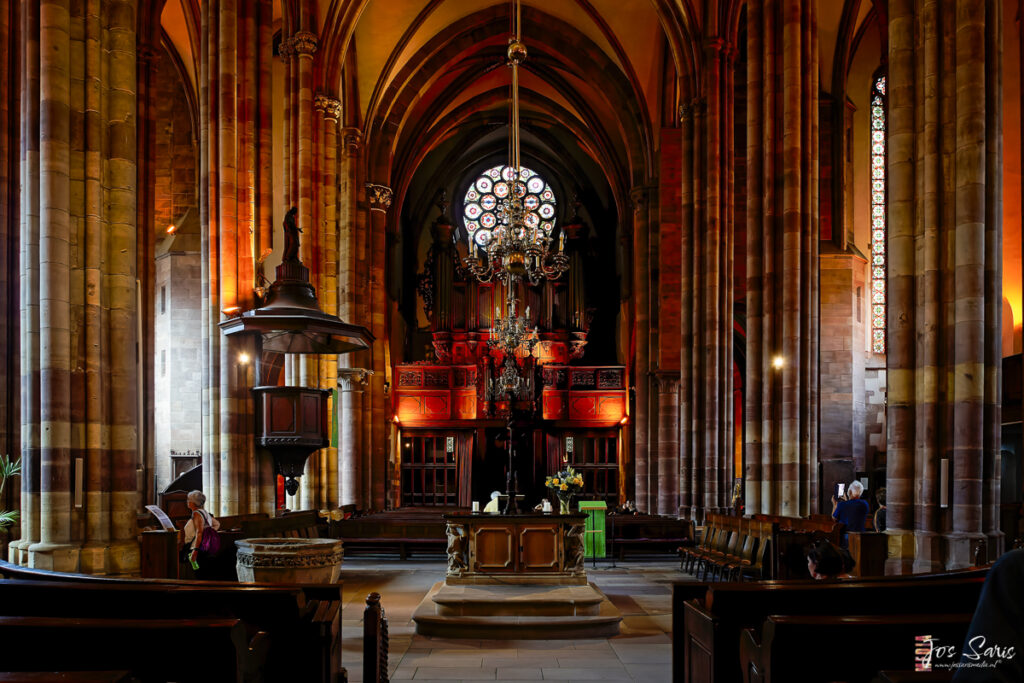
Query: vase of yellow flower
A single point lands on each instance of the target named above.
(565, 484)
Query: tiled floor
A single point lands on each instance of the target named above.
(642, 652)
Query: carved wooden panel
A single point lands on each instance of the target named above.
(464, 407)
(596, 406)
(423, 406)
(553, 405)
(539, 548)
(282, 414)
(494, 549)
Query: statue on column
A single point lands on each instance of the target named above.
(291, 236)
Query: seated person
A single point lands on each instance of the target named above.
(492, 506)
(825, 561)
(853, 511)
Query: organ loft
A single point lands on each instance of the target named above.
(720, 280)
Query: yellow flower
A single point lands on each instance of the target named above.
(564, 487)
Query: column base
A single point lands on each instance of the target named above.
(996, 544)
(124, 557)
(57, 557)
(929, 557)
(92, 559)
(17, 552)
(900, 558)
(960, 549)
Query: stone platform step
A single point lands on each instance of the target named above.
(516, 612)
(540, 601)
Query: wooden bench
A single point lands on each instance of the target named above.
(707, 629)
(151, 649)
(848, 648)
(303, 622)
(396, 531)
(644, 533)
(731, 547)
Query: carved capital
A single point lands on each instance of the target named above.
(328, 106)
(641, 195)
(146, 54)
(686, 111)
(353, 379)
(286, 48)
(379, 196)
(715, 46)
(351, 138)
(665, 381)
(304, 43)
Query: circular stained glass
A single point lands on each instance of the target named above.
(482, 207)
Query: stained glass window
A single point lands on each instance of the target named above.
(483, 208)
(878, 226)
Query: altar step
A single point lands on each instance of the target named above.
(516, 612)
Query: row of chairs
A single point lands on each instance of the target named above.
(731, 548)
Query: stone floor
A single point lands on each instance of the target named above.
(642, 591)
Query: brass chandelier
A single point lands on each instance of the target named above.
(518, 252)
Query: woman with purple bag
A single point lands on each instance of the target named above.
(201, 538)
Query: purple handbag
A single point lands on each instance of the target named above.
(210, 543)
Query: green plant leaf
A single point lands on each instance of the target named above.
(9, 468)
(7, 518)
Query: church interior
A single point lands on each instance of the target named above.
(518, 289)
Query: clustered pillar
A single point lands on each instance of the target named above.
(641, 199)
(10, 375)
(782, 258)
(944, 217)
(78, 251)
(379, 198)
(706, 359)
(350, 404)
(235, 210)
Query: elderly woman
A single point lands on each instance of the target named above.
(853, 511)
(201, 522)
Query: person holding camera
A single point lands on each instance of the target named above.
(851, 512)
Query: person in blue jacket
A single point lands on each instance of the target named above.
(853, 511)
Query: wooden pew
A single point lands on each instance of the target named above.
(397, 531)
(152, 649)
(648, 533)
(792, 537)
(709, 628)
(303, 621)
(848, 648)
(375, 641)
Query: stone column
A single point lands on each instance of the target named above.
(10, 374)
(379, 197)
(667, 383)
(350, 472)
(706, 356)
(28, 246)
(234, 191)
(78, 255)
(347, 248)
(640, 199)
(945, 223)
(782, 258)
(327, 291)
